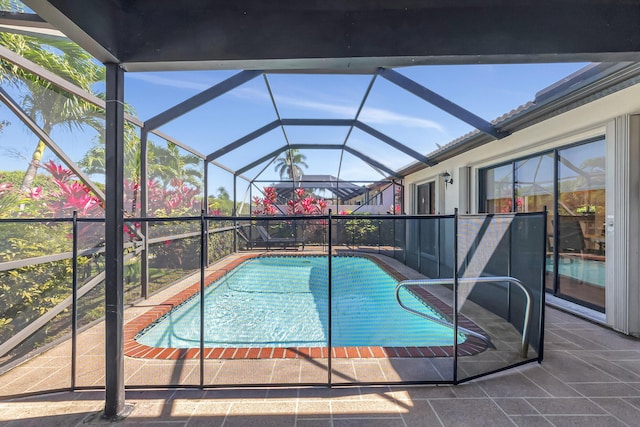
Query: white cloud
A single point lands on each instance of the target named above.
(251, 94)
(339, 110)
(369, 115)
(380, 116)
(170, 82)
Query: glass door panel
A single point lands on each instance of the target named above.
(534, 190)
(499, 189)
(581, 219)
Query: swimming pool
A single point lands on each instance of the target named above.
(282, 302)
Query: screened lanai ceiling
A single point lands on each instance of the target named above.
(360, 128)
(250, 121)
(346, 110)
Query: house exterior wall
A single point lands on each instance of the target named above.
(614, 116)
(378, 200)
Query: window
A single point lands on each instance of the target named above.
(426, 198)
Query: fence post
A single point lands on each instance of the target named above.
(144, 212)
(455, 296)
(329, 344)
(203, 258)
(543, 291)
(74, 304)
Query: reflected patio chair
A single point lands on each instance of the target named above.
(570, 235)
(571, 248)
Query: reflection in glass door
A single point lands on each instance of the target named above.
(499, 189)
(534, 190)
(581, 218)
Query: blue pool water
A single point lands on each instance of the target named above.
(585, 270)
(282, 302)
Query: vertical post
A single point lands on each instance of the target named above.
(419, 237)
(329, 281)
(234, 213)
(144, 207)
(393, 197)
(405, 246)
(74, 306)
(203, 257)
(249, 244)
(205, 212)
(393, 236)
(439, 246)
(543, 293)
(114, 228)
(509, 262)
(513, 187)
(337, 194)
(455, 296)
(556, 222)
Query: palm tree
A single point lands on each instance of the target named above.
(166, 164)
(46, 103)
(94, 160)
(223, 194)
(289, 164)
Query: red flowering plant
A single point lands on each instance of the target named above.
(56, 194)
(266, 205)
(71, 195)
(302, 203)
(177, 199)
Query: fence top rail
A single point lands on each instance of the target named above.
(274, 218)
(48, 220)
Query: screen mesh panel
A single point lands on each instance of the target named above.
(493, 289)
(35, 306)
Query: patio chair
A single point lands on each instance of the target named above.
(283, 242)
(264, 239)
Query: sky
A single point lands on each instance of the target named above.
(486, 90)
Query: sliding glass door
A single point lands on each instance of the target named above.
(570, 183)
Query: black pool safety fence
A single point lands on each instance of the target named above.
(214, 301)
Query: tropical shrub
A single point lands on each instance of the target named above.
(311, 231)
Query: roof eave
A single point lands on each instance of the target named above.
(622, 76)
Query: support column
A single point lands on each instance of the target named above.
(114, 223)
(144, 208)
(234, 213)
(622, 227)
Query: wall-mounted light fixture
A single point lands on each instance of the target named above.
(447, 178)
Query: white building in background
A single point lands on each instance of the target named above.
(576, 150)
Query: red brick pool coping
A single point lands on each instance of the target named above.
(132, 348)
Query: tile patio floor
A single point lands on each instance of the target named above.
(590, 377)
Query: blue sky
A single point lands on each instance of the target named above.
(486, 90)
